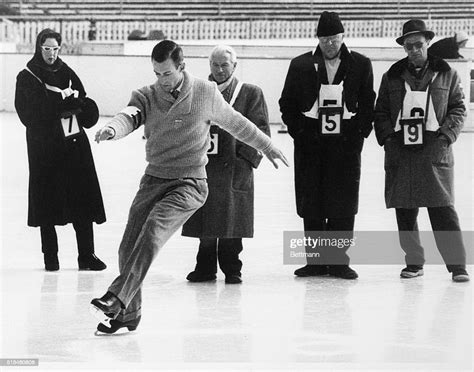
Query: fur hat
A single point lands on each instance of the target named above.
(329, 24)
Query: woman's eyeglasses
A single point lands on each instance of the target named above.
(49, 48)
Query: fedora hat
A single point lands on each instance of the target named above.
(414, 26)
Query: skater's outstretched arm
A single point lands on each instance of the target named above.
(122, 124)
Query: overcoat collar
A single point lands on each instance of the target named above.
(435, 64)
(346, 61)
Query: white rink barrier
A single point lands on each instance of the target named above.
(110, 79)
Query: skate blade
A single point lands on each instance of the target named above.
(118, 333)
(100, 316)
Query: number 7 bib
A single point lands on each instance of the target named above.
(70, 126)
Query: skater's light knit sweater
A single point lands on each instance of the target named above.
(177, 131)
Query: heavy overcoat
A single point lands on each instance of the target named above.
(229, 208)
(327, 169)
(63, 184)
(420, 177)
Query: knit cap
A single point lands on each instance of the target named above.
(329, 24)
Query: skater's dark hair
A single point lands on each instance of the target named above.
(167, 49)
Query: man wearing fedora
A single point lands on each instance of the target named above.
(327, 103)
(418, 116)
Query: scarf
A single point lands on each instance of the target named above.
(47, 73)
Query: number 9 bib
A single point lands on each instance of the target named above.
(413, 130)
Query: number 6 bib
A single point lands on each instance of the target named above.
(214, 143)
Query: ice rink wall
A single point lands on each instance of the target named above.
(109, 79)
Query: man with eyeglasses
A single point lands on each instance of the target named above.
(327, 104)
(418, 116)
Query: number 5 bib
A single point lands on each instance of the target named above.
(331, 108)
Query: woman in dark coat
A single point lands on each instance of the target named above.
(63, 187)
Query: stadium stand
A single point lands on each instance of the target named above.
(228, 9)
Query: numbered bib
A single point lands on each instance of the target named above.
(70, 126)
(413, 130)
(214, 145)
(331, 118)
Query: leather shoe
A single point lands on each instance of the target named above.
(342, 271)
(312, 270)
(412, 271)
(460, 275)
(106, 308)
(233, 279)
(198, 277)
(115, 325)
(91, 262)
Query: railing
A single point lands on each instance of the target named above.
(24, 32)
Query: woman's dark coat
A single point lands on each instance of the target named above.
(63, 184)
(327, 169)
(228, 211)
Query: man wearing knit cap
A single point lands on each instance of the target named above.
(177, 112)
(327, 105)
(418, 117)
(448, 48)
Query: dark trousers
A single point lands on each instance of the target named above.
(447, 233)
(223, 250)
(84, 238)
(334, 256)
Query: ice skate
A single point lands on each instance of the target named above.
(115, 325)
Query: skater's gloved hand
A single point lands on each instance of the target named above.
(104, 134)
(273, 153)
